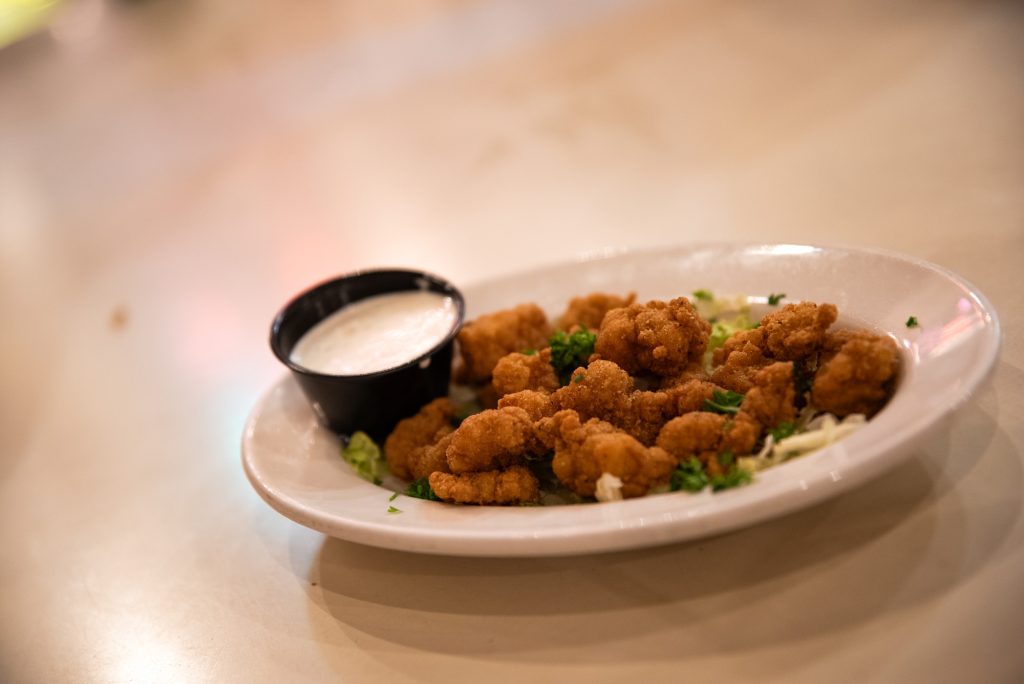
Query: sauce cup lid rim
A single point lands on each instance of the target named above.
(275, 328)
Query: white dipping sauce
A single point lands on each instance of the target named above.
(376, 333)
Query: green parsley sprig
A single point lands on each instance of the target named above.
(723, 402)
(569, 352)
(420, 489)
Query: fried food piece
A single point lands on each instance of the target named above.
(486, 339)
(512, 485)
(601, 390)
(537, 404)
(693, 434)
(796, 331)
(748, 343)
(662, 338)
(516, 372)
(432, 458)
(605, 391)
(706, 436)
(647, 413)
(491, 440)
(740, 435)
(772, 399)
(689, 396)
(695, 371)
(856, 374)
(415, 432)
(585, 451)
(588, 312)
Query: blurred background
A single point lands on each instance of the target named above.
(171, 171)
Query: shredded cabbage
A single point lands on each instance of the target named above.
(814, 434)
(609, 488)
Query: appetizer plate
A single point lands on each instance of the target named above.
(294, 463)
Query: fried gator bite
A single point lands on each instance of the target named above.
(772, 399)
(416, 432)
(512, 485)
(486, 339)
(796, 332)
(516, 372)
(537, 404)
(585, 451)
(662, 338)
(588, 312)
(605, 391)
(491, 440)
(432, 458)
(856, 373)
(706, 436)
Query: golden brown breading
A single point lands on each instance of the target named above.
(512, 485)
(706, 436)
(692, 434)
(793, 333)
(589, 311)
(486, 339)
(695, 371)
(750, 343)
(492, 439)
(601, 390)
(537, 404)
(432, 458)
(516, 372)
(605, 391)
(658, 337)
(585, 451)
(856, 374)
(740, 434)
(772, 399)
(415, 432)
(796, 331)
(689, 396)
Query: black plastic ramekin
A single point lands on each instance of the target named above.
(371, 402)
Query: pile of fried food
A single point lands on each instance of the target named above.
(642, 406)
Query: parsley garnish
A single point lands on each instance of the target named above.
(569, 352)
(529, 352)
(420, 489)
(912, 322)
(782, 431)
(689, 476)
(393, 496)
(774, 299)
(703, 295)
(578, 378)
(392, 509)
(723, 402)
(734, 477)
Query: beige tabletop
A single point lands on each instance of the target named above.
(171, 172)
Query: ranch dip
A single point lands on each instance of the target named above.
(376, 333)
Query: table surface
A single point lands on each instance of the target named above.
(170, 173)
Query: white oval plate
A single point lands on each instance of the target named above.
(294, 464)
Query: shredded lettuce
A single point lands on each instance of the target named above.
(363, 454)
